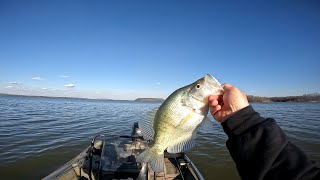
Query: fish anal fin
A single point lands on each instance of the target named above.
(155, 159)
(183, 145)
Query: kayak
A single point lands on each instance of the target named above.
(114, 157)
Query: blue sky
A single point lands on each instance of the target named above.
(131, 49)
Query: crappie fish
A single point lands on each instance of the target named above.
(177, 120)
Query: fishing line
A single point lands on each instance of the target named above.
(179, 168)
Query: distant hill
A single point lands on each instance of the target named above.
(314, 97)
(149, 100)
(4, 94)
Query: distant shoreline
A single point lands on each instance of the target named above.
(60, 97)
(149, 100)
(315, 97)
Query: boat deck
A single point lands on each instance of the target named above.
(114, 157)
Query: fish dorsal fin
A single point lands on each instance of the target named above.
(184, 145)
(146, 124)
(207, 125)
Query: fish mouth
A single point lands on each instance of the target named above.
(213, 83)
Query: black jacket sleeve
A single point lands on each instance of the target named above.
(261, 150)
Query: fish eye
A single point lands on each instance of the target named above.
(198, 86)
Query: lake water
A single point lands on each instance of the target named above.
(37, 135)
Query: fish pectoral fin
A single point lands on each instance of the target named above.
(187, 118)
(184, 145)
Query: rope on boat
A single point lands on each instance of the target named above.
(179, 168)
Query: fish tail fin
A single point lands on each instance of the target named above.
(155, 159)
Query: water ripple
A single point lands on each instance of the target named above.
(40, 128)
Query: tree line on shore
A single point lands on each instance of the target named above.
(314, 97)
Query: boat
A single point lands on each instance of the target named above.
(114, 157)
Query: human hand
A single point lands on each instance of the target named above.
(224, 106)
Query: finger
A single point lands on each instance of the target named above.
(213, 102)
(218, 108)
(226, 86)
(214, 109)
(213, 97)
